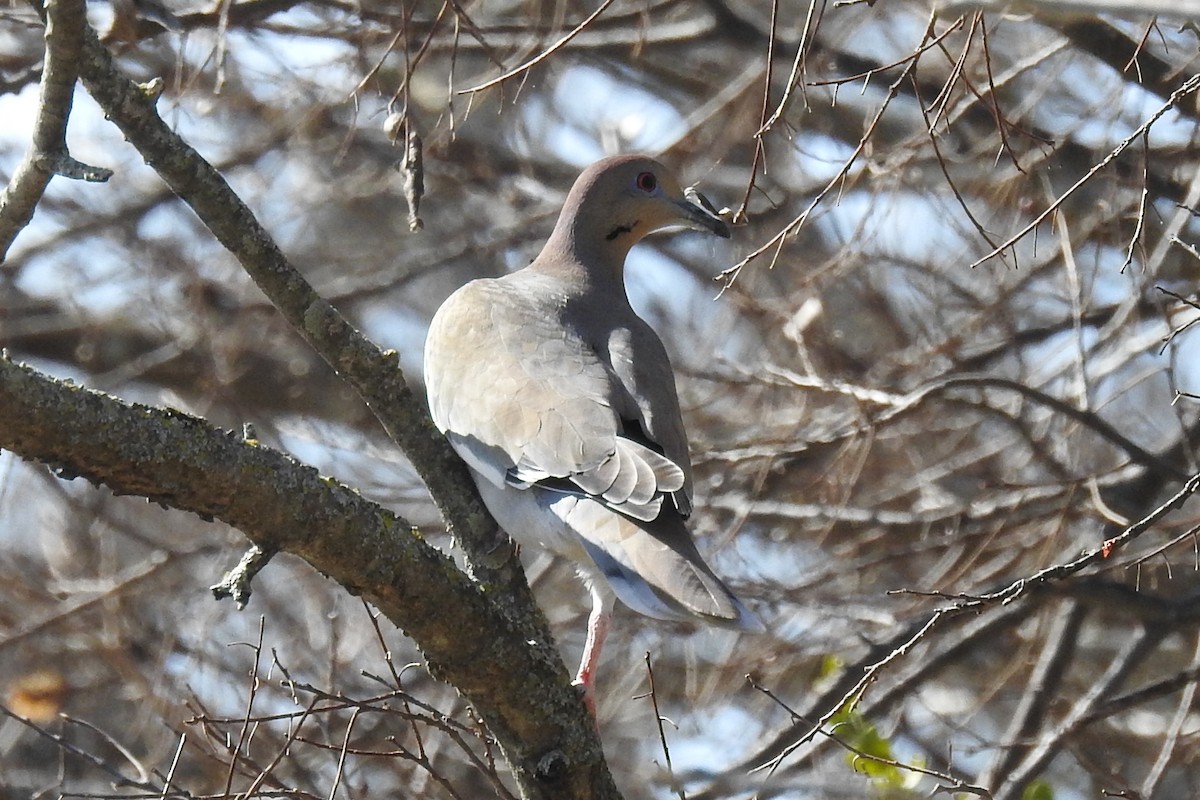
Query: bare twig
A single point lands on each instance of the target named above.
(1186, 88)
(662, 734)
(244, 734)
(342, 752)
(1170, 743)
(776, 242)
(47, 155)
(542, 56)
(759, 147)
(795, 78)
(1139, 226)
(949, 782)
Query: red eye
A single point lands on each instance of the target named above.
(647, 182)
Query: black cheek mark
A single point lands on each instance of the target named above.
(620, 230)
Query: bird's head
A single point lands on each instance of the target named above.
(618, 201)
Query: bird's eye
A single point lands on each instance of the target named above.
(647, 182)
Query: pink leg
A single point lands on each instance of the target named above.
(597, 629)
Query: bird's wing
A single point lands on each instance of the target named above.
(527, 400)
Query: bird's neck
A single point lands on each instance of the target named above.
(595, 261)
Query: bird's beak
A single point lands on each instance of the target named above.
(699, 214)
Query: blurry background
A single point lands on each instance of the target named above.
(882, 417)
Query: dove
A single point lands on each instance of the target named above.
(562, 402)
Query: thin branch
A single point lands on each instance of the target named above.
(68, 747)
(760, 153)
(242, 743)
(143, 778)
(1136, 239)
(776, 242)
(1188, 87)
(950, 783)
(540, 57)
(896, 404)
(662, 734)
(1183, 712)
(937, 153)
(47, 154)
(342, 753)
(795, 77)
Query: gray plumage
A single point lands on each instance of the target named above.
(562, 401)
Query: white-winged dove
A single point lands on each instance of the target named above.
(562, 402)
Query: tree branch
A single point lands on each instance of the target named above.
(282, 504)
(550, 744)
(47, 154)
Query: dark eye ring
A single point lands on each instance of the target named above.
(647, 182)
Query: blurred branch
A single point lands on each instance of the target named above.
(1146, 694)
(1072, 10)
(542, 56)
(1186, 88)
(1016, 776)
(132, 582)
(69, 747)
(1170, 744)
(870, 669)
(620, 30)
(244, 14)
(1086, 418)
(1045, 681)
(895, 404)
(47, 155)
(1176, 332)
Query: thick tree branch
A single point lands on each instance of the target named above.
(554, 752)
(373, 373)
(281, 504)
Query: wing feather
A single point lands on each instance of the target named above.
(541, 403)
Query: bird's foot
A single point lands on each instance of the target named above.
(583, 687)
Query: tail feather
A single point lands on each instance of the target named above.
(655, 568)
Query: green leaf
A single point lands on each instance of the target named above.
(1038, 790)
